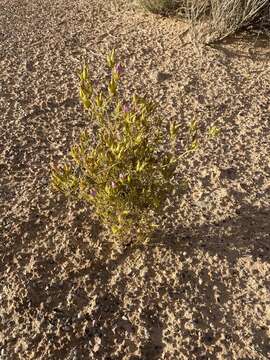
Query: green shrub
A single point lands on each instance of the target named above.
(122, 166)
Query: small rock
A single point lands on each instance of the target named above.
(97, 344)
(79, 316)
(229, 173)
(159, 76)
(29, 66)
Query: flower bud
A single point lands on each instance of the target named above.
(126, 108)
(93, 192)
(119, 69)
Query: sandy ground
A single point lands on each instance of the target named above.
(200, 290)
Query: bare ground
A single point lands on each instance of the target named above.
(200, 289)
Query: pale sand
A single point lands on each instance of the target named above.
(200, 290)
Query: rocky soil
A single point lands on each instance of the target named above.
(200, 289)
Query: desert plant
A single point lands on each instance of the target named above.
(227, 16)
(123, 166)
(218, 18)
(162, 7)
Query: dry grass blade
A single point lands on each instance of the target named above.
(230, 15)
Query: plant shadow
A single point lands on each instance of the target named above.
(108, 329)
(249, 236)
(254, 38)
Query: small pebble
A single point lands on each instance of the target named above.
(97, 344)
(29, 66)
(79, 316)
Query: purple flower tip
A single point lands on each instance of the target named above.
(93, 192)
(126, 108)
(119, 68)
(113, 184)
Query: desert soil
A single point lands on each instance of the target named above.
(201, 288)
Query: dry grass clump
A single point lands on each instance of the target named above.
(230, 15)
(222, 17)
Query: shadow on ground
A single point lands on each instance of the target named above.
(248, 236)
